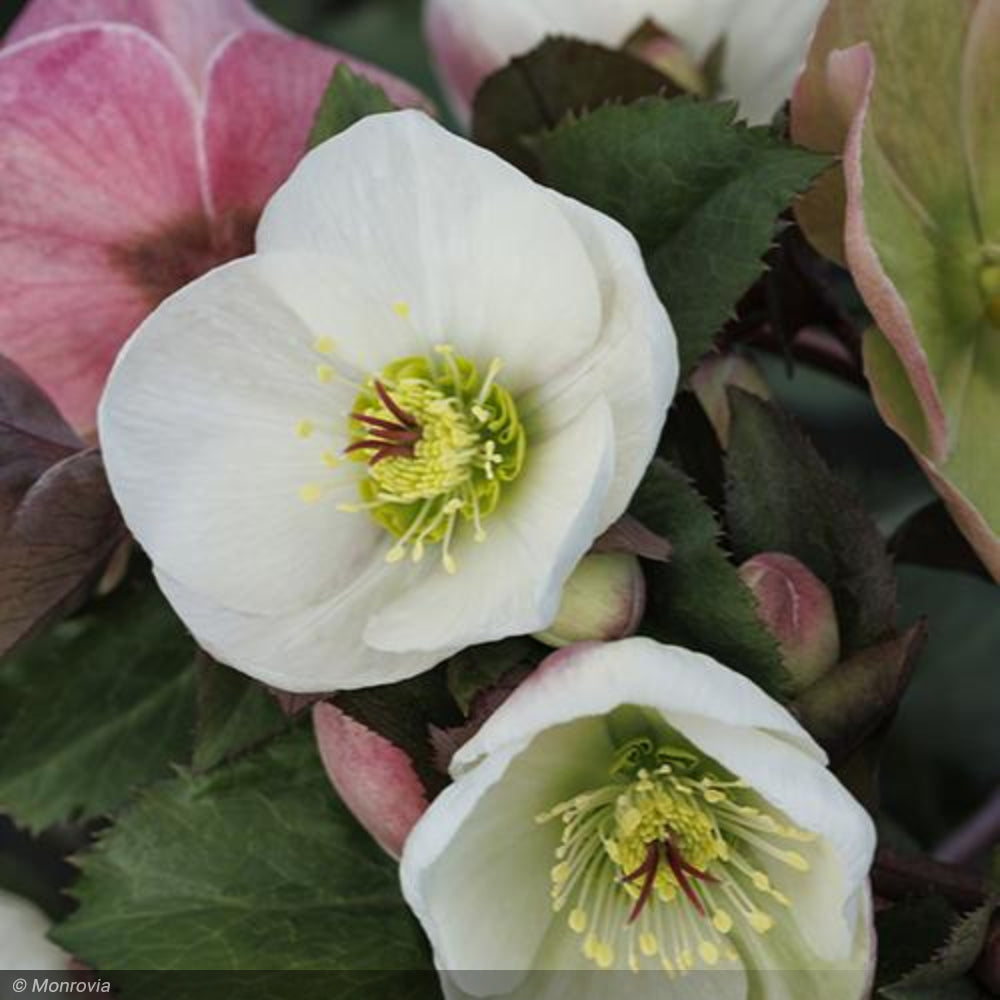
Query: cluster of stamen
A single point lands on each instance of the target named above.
(438, 441)
(661, 866)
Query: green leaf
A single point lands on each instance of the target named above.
(480, 668)
(562, 77)
(782, 497)
(697, 599)
(348, 98)
(859, 695)
(103, 702)
(255, 865)
(701, 194)
(235, 714)
(908, 933)
(942, 757)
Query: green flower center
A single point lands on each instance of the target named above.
(662, 864)
(441, 442)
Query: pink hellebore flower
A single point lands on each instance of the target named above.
(139, 142)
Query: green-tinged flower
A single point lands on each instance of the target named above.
(907, 91)
(641, 808)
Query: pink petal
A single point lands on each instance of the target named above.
(191, 29)
(375, 779)
(851, 76)
(98, 154)
(461, 59)
(263, 92)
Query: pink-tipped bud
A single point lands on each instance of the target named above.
(604, 599)
(714, 376)
(666, 53)
(798, 609)
(374, 778)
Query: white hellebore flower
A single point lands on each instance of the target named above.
(640, 807)
(394, 431)
(23, 941)
(765, 41)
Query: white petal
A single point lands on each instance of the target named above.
(782, 967)
(476, 866)
(825, 898)
(316, 649)
(634, 363)
(594, 679)
(23, 942)
(511, 583)
(199, 426)
(480, 255)
(766, 47)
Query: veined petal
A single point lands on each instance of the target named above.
(511, 583)
(314, 649)
(633, 364)
(223, 466)
(475, 869)
(190, 29)
(263, 91)
(98, 148)
(475, 254)
(593, 679)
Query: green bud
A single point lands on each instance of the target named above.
(604, 599)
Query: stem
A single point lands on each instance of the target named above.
(978, 834)
(896, 876)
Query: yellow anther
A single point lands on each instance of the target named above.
(561, 872)
(760, 921)
(648, 944)
(578, 920)
(686, 959)
(722, 921)
(311, 493)
(761, 882)
(401, 309)
(450, 566)
(709, 953)
(331, 460)
(325, 373)
(795, 860)
(305, 429)
(325, 345)
(604, 955)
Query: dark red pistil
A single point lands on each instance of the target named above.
(387, 439)
(682, 872)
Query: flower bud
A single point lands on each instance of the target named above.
(603, 599)
(714, 376)
(667, 54)
(798, 609)
(374, 778)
